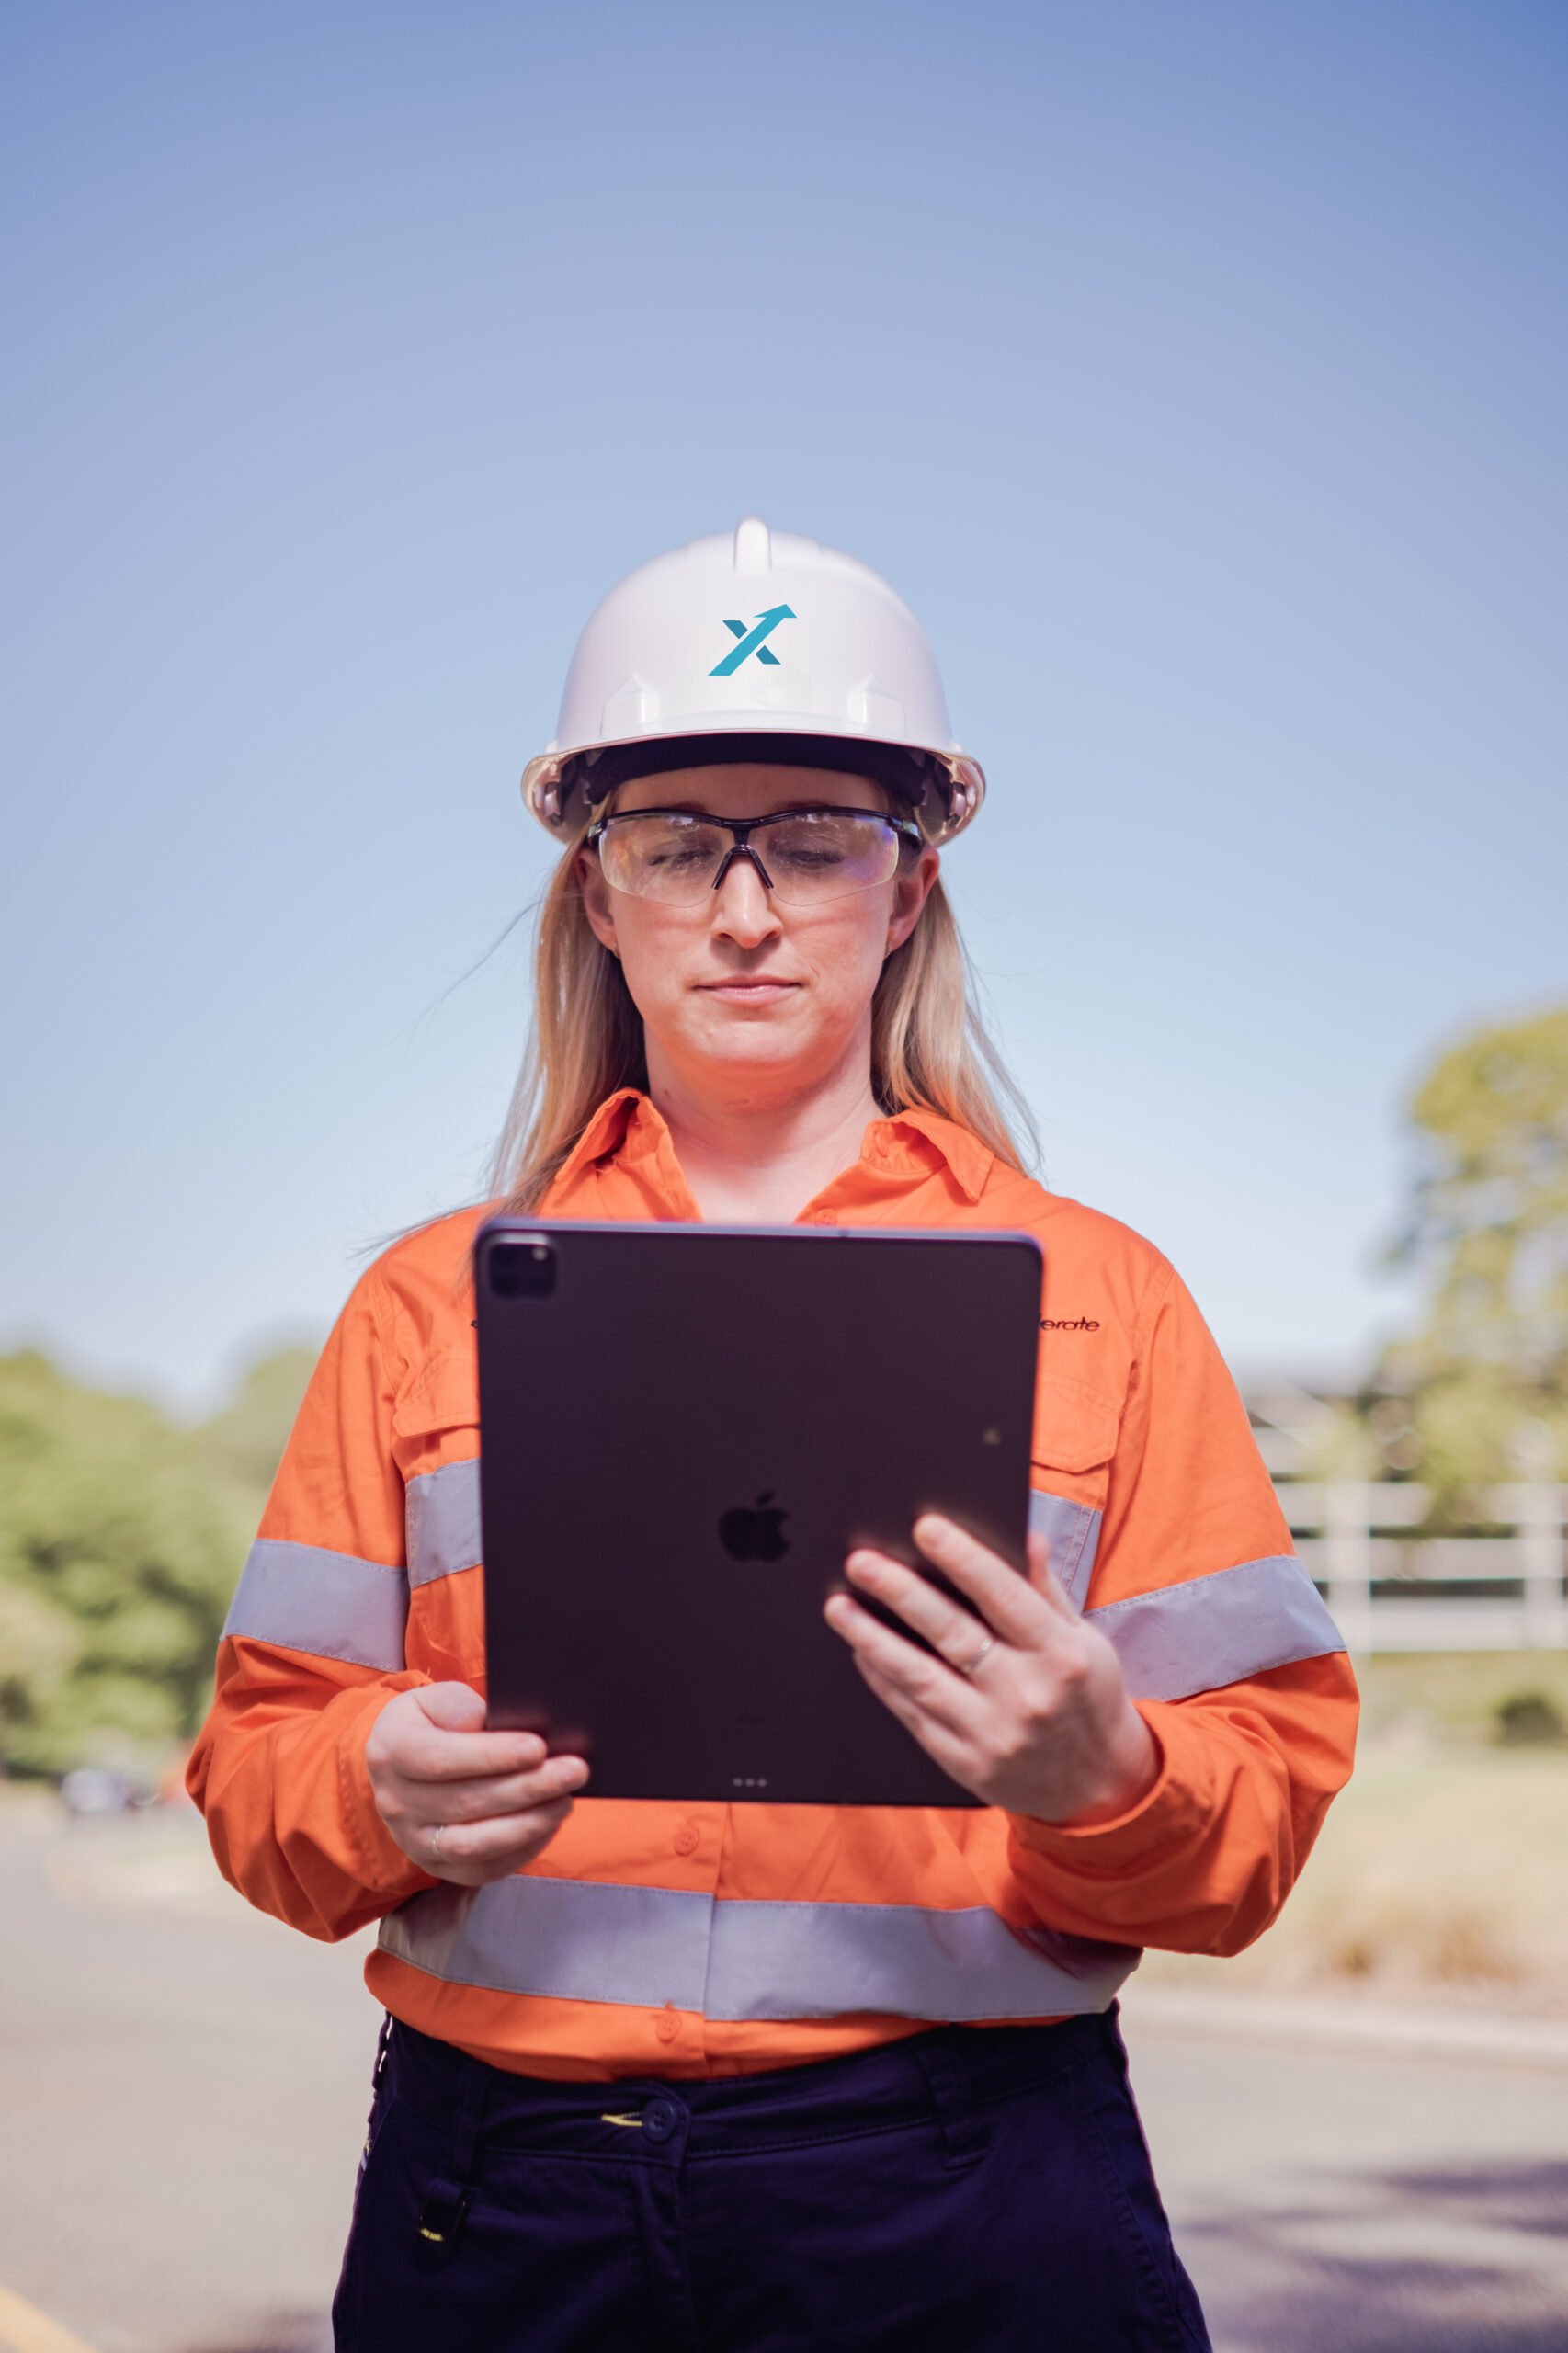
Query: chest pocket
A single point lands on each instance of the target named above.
(1074, 1438)
(437, 1423)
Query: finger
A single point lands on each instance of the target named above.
(423, 1754)
(1007, 1601)
(492, 1842)
(489, 1799)
(1049, 1588)
(929, 1683)
(949, 1750)
(946, 1624)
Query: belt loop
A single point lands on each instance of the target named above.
(445, 2210)
(952, 2095)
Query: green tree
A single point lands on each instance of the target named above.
(245, 1443)
(1487, 1374)
(121, 1538)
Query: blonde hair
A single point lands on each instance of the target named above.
(929, 1047)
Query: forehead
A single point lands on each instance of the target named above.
(750, 789)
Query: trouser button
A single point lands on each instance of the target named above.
(660, 2118)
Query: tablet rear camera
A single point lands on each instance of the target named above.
(521, 1269)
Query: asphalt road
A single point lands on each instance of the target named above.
(183, 2088)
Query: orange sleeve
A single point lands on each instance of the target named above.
(311, 1652)
(1231, 1657)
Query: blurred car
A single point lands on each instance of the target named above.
(96, 1789)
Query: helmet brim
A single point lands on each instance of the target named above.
(941, 790)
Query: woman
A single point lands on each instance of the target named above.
(769, 2076)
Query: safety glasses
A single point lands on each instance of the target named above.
(804, 856)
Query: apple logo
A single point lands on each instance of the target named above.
(755, 1532)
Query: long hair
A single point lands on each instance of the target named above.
(929, 1047)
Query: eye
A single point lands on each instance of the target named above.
(672, 847)
(809, 857)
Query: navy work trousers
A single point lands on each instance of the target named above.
(964, 2188)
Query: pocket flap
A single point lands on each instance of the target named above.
(444, 1395)
(1074, 1427)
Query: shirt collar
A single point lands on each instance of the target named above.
(889, 1145)
(606, 1133)
(628, 1126)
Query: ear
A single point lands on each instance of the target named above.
(909, 892)
(597, 901)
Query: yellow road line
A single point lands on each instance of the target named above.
(24, 2329)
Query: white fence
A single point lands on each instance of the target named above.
(1392, 1589)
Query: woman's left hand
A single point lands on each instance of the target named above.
(1024, 1707)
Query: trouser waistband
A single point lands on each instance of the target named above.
(943, 2077)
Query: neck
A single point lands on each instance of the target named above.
(758, 1158)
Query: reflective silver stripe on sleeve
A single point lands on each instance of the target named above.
(1073, 1532)
(303, 1597)
(442, 1511)
(1218, 1628)
(584, 1941)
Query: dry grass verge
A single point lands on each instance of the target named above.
(1442, 1872)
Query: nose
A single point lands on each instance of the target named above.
(742, 906)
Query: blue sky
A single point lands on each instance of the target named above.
(1196, 373)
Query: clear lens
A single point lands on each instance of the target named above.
(809, 854)
(826, 854)
(658, 856)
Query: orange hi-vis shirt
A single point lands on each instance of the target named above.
(711, 1940)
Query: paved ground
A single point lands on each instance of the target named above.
(184, 2087)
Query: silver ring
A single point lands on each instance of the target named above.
(436, 1836)
(982, 1654)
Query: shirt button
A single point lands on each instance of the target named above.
(667, 2026)
(686, 1838)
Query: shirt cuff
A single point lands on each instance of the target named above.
(387, 1871)
(1165, 1813)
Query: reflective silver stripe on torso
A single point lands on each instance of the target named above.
(1218, 1629)
(444, 1534)
(441, 1511)
(1073, 1532)
(584, 1941)
(303, 1597)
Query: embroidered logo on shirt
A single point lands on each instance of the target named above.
(1068, 1324)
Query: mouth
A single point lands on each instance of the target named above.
(748, 991)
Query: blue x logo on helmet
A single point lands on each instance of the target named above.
(854, 687)
(752, 642)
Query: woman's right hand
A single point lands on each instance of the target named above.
(465, 1804)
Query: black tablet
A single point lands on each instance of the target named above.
(685, 1431)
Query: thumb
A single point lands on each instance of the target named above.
(456, 1706)
(1049, 1588)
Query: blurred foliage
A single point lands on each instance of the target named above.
(121, 1539)
(1480, 1393)
(1528, 1719)
(244, 1444)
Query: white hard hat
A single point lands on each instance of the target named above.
(765, 647)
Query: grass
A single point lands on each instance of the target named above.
(1442, 1870)
(1455, 1697)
